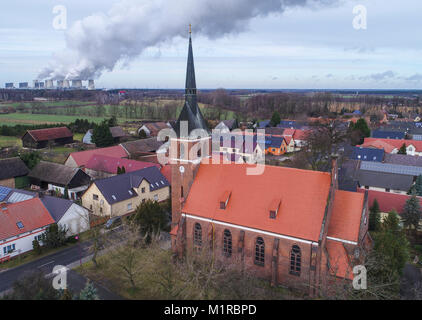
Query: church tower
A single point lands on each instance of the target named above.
(190, 146)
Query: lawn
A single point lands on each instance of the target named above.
(10, 142)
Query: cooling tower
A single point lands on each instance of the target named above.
(66, 84)
(36, 84)
(59, 83)
(23, 85)
(77, 84)
(91, 85)
(9, 85)
(49, 84)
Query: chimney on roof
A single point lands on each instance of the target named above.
(274, 207)
(334, 170)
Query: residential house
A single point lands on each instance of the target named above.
(151, 129)
(20, 224)
(41, 138)
(388, 134)
(68, 214)
(142, 149)
(384, 181)
(121, 194)
(57, 178)
(413, 147)
(80, 159)
(13, 173)
(100, 166)
(117, 133)
(275, 145)
(367, 154)
(227, 126)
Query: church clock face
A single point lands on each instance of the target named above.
(182, 169)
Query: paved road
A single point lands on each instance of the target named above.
(46, 264)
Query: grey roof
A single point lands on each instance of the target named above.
(54, 173)
(191, 114)
(383, 134)
(384, 180)
(117, 132)
(57, 207)
(347, 175)
(12, 167)
(142, 146)
(403, 159)
(391, 168)
(121, 187)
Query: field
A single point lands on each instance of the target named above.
(10, 142)
(29, 118)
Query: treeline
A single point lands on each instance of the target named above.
(19, 129)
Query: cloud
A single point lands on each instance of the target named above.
(415, 77)
(380, 76)
(98, 42)
(329, 76)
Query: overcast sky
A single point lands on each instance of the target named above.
(303, 47)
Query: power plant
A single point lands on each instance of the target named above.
(49, 85)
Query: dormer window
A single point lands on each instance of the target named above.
(224, 200)
(273, 209)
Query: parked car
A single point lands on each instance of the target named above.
(113, 222)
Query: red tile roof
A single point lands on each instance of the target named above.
(396, 143)
(108, 164)
(388, 201)
(50, 133)
(300, 134)
(346, 216)
(303, 195)
(340, 264)
(81, 158)
(289, 132)
(31, 213)
(377, 144)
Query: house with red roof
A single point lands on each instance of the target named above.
(101, 166)
(80, 159)
(20, 224)
(413, 147)
(41, 138)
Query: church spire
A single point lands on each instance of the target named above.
(190, 87)
(191, 112)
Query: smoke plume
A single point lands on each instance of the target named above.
(98, 42)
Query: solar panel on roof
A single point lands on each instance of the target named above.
(4, 191)
(391, 168)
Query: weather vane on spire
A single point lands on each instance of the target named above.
(190, 28)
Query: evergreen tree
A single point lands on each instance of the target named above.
(119, 171)
(123, 169)
(36, 247)
(89, 292)
(402, 149)
(275, 119)
(54, 236)
(101, 135)
(363, 127)
(391, 244)
(374, 217)
(112, 122)
(412, 212)
(150, 217)
(416, 189)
